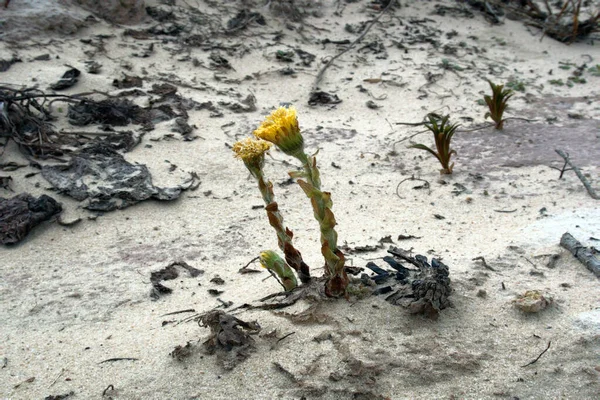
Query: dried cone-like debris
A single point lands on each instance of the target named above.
(423, 291)
(20, 214)
(230, 337)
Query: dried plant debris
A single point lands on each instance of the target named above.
(27, 119)
(169, 273)
(128, 82)
(60, 396)
(5, 182)
(424, 290)
(313, 291)
(20, 214)
(230, 338)
(166, 274)
(532, 301)
(115, 112)
(6, 64)
(312, 315)
(561, 20)
(69, 79)
(106, 181)
(244, 18)
(320, 97)
(182, 352)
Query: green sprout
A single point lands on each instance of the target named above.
(595, 70)
(518, 86)
(442, 133)
(497, 103)
(271, 261)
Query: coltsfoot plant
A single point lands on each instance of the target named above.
(281, 128)
(497, 103)
(442, 133)
(252, 152)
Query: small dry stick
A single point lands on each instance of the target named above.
(109, 387)
(483, 263)
(582, 253)
(582, 178)
(563, 169)
(425, 186)
(538, 357)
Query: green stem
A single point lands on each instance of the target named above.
(284, 235)
(321, 203)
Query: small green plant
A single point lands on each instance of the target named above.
(442, 133)
(595, 70)
(497, 103)
(518, 86)
(577, 79)
(556, 82)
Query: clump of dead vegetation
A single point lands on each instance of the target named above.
(566, 21)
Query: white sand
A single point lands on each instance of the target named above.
(73, 297)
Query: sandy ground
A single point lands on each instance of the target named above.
(72, 297)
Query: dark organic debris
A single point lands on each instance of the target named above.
(306, 57)
(423, 291)
(5, 182)
(218, 61)
(246, 105)
(160, 13)
(117, 112)
(230, 338)
(244, 18)
(68, 79)
(320, 97)
(168, 273)
(25, 119)
(20, 214)
(491, 13)
(128, 82)
(182, 352)
(106, 180)
(92, 67)
(60, 396)
(163, 89)
(5, 64)
(563, 24)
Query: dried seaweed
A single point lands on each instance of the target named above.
(115, 112)
(69, 79)
(106, 180)
(230, 338)
(20, 214)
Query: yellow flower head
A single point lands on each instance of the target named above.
(252, 152)
(281, 128)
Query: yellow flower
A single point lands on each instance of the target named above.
(252, 152)
(281, 128)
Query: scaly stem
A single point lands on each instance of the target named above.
(321, 203)
(284, 236)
